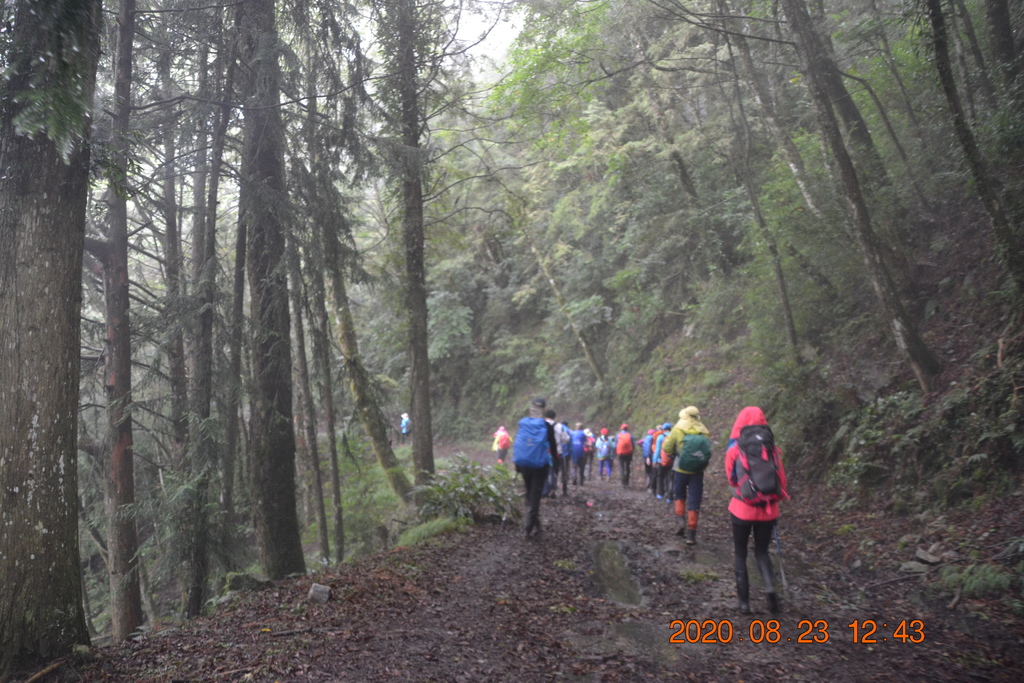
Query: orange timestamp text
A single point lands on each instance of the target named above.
(808, 631)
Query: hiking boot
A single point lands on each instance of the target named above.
(742, 592)
(773, 603)
(691, 537)
(764, 564)
(682, 531)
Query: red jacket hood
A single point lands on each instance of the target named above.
(751, 415)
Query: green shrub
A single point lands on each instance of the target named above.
(431, 529)
(469, 491)
(977, 580)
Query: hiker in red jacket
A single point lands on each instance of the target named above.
(502, 442)
(758, 488)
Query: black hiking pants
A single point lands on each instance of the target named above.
(625, 466)
(762, 538)
(533, 478)
(559, 469)
(665, 481)
(579, 470)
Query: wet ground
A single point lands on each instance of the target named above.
(608, 592)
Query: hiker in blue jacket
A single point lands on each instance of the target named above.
(646, 446)
(578, 453)
(405, 427)
(532, 451)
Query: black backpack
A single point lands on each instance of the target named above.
(757, 479)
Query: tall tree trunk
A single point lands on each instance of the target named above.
(306, 399)
(43, 189)
(831, 79)
(563, 304)
(359, 380)
(980, 74)
(322, 356)
(764, 99)
(746, 176)
(412, 124)
(262, 200)
(225, 73)
(234, 391)
(319, 177)
(1009, 244)
(123, 538)
(922, 361)
(176, 370)
(890, 60)
(202, 446)
(1001, 42)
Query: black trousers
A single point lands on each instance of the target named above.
(625, 465)
(533, 478)
(762, 538)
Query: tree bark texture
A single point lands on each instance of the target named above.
(360, 382)
(762, 95)
(262, 208)
(408, 85)
(123, 538)
(922, 361)
(42, 229)
(309, 423)
(202, 445)
(1009, 243)
(830, 80)
(1000, 38)
(175, 343)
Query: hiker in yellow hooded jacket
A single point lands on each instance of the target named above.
(690, 448)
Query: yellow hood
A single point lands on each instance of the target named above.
(689, 421)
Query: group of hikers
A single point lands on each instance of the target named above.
(675, 457)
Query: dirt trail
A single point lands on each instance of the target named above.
(491, 605)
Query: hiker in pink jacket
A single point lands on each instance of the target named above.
(758, 487)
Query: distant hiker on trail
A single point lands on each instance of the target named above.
(646, 445)
(666, 465)
(605, 447)
(624, 447)
(502, 442)
(405, 427)
(589, 449)
(532, 451)
(560, 463)
(753, 465)
(660, 487)
(690, 449)
(578, 453)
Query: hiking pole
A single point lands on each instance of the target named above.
(782, 569)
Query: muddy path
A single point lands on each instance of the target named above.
(596, 597)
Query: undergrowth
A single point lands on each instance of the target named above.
(468, 490)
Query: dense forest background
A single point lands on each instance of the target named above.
(307, 217)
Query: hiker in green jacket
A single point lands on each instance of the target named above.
(690, 448)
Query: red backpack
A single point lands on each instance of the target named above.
(624, 444)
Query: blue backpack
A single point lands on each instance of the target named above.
(577, 444)
(530, 448)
